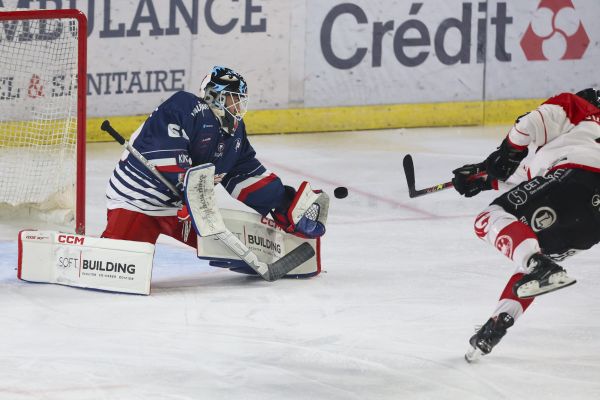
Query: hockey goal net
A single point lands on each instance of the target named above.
(43, 115)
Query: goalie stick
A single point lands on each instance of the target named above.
(269, 272)
(409, 172)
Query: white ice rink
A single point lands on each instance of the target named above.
(404, 283)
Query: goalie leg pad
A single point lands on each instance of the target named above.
(86, 262)
(200, 200)
(267, 240)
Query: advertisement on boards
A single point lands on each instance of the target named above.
(331, 53)
(389, 52)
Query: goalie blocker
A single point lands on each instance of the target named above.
(86, 262)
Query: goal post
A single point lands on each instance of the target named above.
(43, 75)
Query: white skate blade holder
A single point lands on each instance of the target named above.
(473, 354)
(555, 282)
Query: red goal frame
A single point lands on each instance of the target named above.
(81, 94)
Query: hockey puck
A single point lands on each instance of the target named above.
(340, 192)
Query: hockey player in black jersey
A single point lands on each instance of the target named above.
(549, 165)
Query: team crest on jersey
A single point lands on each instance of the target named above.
(238, 144)
(220, 150)
(543, 218)
(504, 243)
(596, 201)
(482, 224)
(517, 197)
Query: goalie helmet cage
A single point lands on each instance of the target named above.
(43, 76)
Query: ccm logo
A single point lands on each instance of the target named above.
(70, 239)
(269, 222)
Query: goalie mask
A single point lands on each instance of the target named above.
(226, 93)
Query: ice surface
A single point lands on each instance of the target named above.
(404, 283)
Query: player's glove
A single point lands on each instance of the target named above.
(304, 212)
(466, 181)
(503, 162)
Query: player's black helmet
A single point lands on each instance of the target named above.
(591, 95)
(226, 93)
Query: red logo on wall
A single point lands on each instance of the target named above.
(556, 32)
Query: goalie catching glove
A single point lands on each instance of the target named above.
(303, 212)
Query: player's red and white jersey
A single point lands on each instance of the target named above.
(561, 133)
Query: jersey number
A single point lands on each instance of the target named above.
(177, 132)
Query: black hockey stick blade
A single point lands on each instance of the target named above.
(409, 171)
(293, 259)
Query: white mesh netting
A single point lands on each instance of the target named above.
(38, 114)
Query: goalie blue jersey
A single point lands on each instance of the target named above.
(181, 133)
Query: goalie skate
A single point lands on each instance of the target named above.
(544, 276)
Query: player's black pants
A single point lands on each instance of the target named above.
(562, 208)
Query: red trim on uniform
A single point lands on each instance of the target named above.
(514, 145)
(495, 184)
(318, 256)
(294, 202)
(545, 130)
(576, 108)
(511, 237)
(507, 293)
(244, 193)
(518, 131)
(170, 168)
(575, 166)
(528, 174)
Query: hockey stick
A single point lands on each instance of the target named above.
(409, 171)
(269, 272)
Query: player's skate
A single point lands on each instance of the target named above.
(488, 336)
(544, 276)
